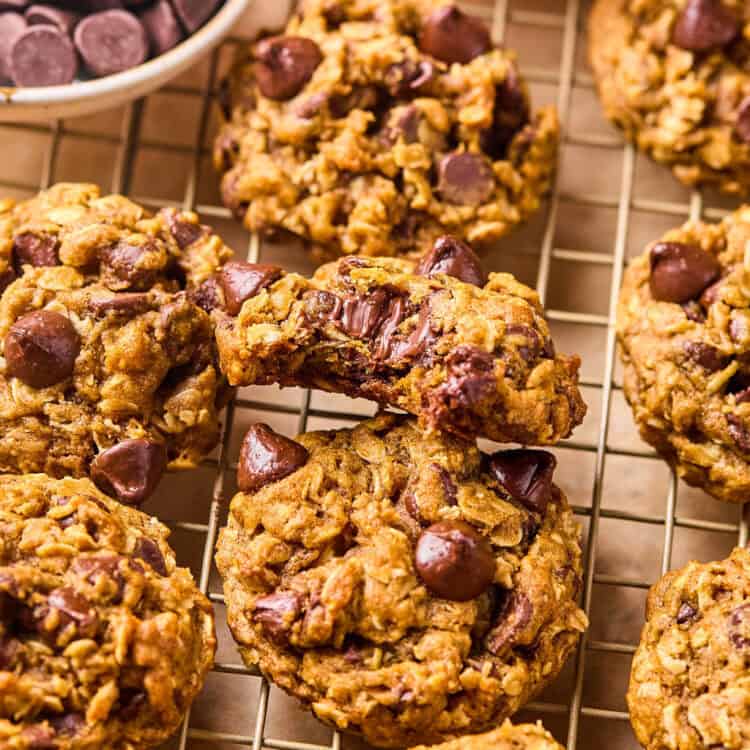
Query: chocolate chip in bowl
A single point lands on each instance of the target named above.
(77, 57)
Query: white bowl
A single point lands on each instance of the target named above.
(85, 97)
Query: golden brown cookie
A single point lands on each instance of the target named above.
(683, 323)
(104, 641)
(373, 126)
(673, 75)
(403, 586)
(689, 684)
(506, 737)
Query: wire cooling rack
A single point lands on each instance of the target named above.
(637, 521)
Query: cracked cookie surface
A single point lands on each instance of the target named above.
(104, 641)
(683, 324)
(373, 126)
(403, 586)
(108, 360)
(466, 353)
(673, 74)
(689, 684)
(506, 737)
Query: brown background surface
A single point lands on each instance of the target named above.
(607, 204)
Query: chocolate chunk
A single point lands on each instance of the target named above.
(686, 613)
(533, 346)
(454, 560)
(126, 266)
(455, 258)
(68, 724)
(209, 295)
(161, 25)
(449, 486)
(410, 78)
(454, 37)
(111, 41)
(515, 614)
(41, 348)
(390, 320)
(64, 20)
(267, 457)
(125, 303)
(418, 343)
(11, 25)
(705, 25)
(742, 126)
(76, 609)
(240, 281)
(184, 232)
(35, 250)
(465, 179)
(739, 432)
(510, 114)
(130, 470)
(362, 315)
(285, 64)
(276, 614)
(707, 356)
(680, 272)
(148, 550)
(194, 13)
(471, 376)
(93, 567)
(526, 475)
(738, 626)
(402, 123)
(42, 56)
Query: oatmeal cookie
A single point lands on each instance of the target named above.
(403, 586)
(104, 641)
(373, 126)
(689, 684)
(683, 323)
(108, 362)
(673, 74)
(466, 353)
(506, 737)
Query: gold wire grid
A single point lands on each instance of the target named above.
(567, 78)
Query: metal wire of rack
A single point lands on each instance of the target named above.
(567, 79)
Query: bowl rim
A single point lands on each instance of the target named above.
(197, 43)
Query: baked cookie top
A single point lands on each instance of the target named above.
(467, 353)
(104, 640)
(683, 323)
(674, 75)
(108, 363)
(372, 126)
(506, 737)
(689, 682)
(404, 586)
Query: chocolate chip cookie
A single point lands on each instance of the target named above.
(683, 323)
(506, 737)
(689, 685)
(373, 126)
(108, 360)
(673, 74)
(403, 586)
(467, 353)
(104, 641)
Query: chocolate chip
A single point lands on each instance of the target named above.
(526, 475)
(47, 14)
(454, 37)
(419, 342)
(41, 348)
(455, 258)
(390, 320)
(686, 613)
(510, 114)
(92, 567)
(707, 356)
(42, 56)
(130, 470)
(403, 123)
(194, 13)
(409, 78)
(739, 432)
(360, 97)
(285, 64)
(705, 25)
(465, 179)
(276, 614)
(310, 107)
(471, 377)
(267, 457)
(127, 266)
(126, 303)
(449, 486)
(68, 724)
(111, 41)
(209, 295)
(680, 272)
(742, 126)
(11, 25)
(739, 386)
(35, 250)
(532, 348)
(74, 608)
(515, 614)
(162, 27)
(184, 232)
(361, 315)
(148, 550)
(738, 625)
(454, 560)
(240, 281)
